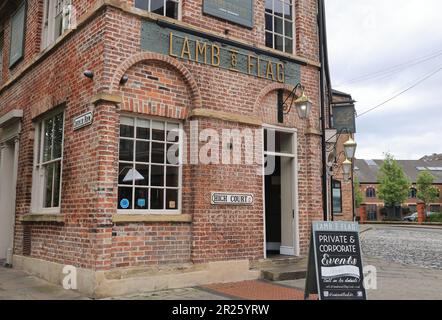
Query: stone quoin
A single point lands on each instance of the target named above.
(101, 194)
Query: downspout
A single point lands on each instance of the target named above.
(323, 79)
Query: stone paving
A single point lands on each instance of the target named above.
(419, 247)
(408, 263)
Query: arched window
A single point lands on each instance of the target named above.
(370, 193)
(413, 193)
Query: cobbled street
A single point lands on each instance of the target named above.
(411, 246)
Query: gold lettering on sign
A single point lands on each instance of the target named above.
(216, 56)
(280, 72)
(186, 49)
(200, 49)
(233, 60)
(171, 46)
(269, 71)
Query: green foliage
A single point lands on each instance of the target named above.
(359, 197)
(435, 218)
(425, 189)
(393, 184)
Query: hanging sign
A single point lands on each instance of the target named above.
(236, 11)
(83, 120)
(335, 262)
(233, 199)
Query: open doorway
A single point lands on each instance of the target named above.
(280, 189)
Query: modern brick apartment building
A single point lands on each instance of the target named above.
(367, 173)
(93, 94)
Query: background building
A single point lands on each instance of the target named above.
(367, 173)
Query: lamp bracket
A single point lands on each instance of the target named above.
(293, 96)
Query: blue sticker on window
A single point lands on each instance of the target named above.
(124, 203)
(141, 203)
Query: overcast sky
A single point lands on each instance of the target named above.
(369, 39)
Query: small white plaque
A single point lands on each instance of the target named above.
(232, 199)
(83, 120)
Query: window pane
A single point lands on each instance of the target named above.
(269, 40)
(172, 176)
(47, 138)
(124, 198)
(157, 152)
(58, 26)
(142, 4)
(157, 178)
(142, 175)
(141, 198)
(124, 176)
(269, 22)
(156, 199)
(172, 9)
(127, 127)
(279, 44)
(158, 131)
(278, 26)
(278, 8)
(58, 135)
(173, 132)
(57, 178)
(126, 150)
(288, 45)
(157, 6)
(289, 29)
(172, 199)
(142, 151)
(143, 129)
(288, 12)
(269, 6)
(173, 154)
(48, 182)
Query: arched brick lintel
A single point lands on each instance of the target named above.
(265, 91)
(175, 64)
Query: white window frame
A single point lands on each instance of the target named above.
(283, 35)
(38, 177)
(48, 26)
(164, 211)
(180, 9)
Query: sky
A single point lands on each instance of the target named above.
(378, 48)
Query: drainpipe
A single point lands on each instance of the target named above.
(324, 85)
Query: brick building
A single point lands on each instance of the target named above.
(94, 96)
(367, 173)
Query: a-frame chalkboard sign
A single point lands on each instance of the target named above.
(335, 262)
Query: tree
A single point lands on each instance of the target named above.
(425, 189)
(393, 184)
(359, 197)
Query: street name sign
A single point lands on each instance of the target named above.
(233, 199)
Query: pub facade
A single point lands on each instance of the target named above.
(155, 143)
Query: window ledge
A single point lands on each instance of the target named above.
(124, 218)
(42, 217)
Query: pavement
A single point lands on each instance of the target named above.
(407, 260)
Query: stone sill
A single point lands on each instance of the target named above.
(125, 218)
(58, 218)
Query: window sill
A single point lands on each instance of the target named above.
(124, 218)
(37, 217)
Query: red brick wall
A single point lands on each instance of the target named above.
(88, 238)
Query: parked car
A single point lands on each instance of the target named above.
(413, 217)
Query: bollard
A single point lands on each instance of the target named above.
(421, 215)
(363, 213)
